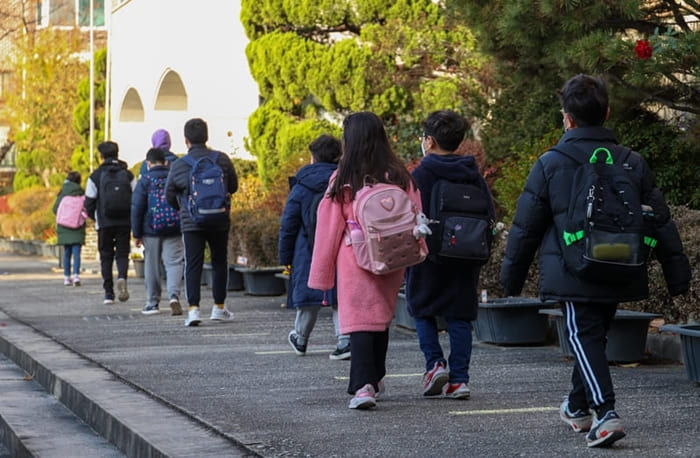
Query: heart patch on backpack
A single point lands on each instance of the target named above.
(387, 203)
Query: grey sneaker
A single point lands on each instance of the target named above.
(150, 310)
(121, 288)
(580, 421)
(605, 431)
(340, 353)
(293, 340)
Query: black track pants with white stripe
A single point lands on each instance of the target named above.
(587, 326)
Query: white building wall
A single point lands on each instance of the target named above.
(204, 43)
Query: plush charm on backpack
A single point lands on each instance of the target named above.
(383, 233)
(209, 202)
(605, 236)
(70, 212)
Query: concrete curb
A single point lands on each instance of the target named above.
(118, 412)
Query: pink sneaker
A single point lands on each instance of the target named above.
(364, 398)
(435, 379)
(457, 391)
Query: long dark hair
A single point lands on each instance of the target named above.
(367, 157)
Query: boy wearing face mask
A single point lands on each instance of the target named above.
(446, 288)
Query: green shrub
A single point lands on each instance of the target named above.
(512, 173)
(676, 310)
(682, 308)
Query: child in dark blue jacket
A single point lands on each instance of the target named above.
(295, 248)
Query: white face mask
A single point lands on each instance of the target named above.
(422, 148)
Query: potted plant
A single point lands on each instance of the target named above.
(253, 243)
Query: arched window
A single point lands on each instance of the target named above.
(171, 93)
(132, 108)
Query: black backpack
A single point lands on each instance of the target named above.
(313, 217)
(605, 235)
(462, 223)
(115, 192)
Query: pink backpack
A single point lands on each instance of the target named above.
(382, 232)
(71, 213)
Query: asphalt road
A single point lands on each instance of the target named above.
(242, 380)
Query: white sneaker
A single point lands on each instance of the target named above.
(223, 314)
(193, 317)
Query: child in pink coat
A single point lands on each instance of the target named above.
(366, 302)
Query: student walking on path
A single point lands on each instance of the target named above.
(297, 224)
(72, 239)
(541, 225)
(196, 236)
(445, 287)
(366, 302)
(156, 225)
(108, 202)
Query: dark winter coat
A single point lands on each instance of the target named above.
(177, 188)
(294, 246)
(447, 288)
(139, 205)
(94, 207)
(545, 200)
(66, 235)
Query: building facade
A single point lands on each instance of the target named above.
(172, 60)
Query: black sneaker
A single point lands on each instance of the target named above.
(150, 310)
(605, 431)
(340, 353)
(109, 298)
(293, 338)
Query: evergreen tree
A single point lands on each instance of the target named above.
(317, 61)
(647, 50)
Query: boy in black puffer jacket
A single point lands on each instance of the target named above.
(445, 287)
(588, 306)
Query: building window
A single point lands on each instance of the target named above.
(98, 13)
(69, 13)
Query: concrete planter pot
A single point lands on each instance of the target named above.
(404, 319)
(139, 268)
(261, 281)
(206, 274)
(511, 321)
(235, 279)
(690, 345)
(285, 279)
(627, 336)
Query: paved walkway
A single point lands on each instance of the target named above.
(155, 387)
